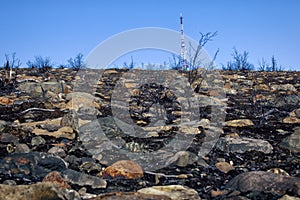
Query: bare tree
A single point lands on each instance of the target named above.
(240, 61)
(130, 65)
(174, 62)
(274, 64)
(77, 62)
(195, 52)
(11, 63)
(41, 63)
(263, 65)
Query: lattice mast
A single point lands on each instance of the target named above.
(183, 61)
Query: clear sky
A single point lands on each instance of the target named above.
(62, 28)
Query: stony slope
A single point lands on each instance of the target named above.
(228, 135)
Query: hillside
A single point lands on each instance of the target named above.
(227, 135)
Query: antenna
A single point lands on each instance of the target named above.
(183, 61)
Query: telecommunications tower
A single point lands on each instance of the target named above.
(183, 61)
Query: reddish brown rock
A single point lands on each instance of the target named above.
(125, 169)
(6, 101)
(55, 178)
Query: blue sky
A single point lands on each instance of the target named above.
(62, 28)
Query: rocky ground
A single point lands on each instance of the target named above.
(119, 134)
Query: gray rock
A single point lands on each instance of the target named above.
(50, 127)
(90, 167)
(286, 100)
(9, 138)
(260, 181)
(9, 182)
(57, 151)
(242, 145)
(72, 195)
(181, 159)
(70, 120)
(41, 90)
(87, 113)
(292, 142)
(297, 112)
(38, 140)
(22, 148)
(82, 179)
(3, 124)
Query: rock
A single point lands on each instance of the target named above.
(41, 124)
(181, 159)
(22, 148)
(278, 171)
(49, 127)
(64, 132)
(297, 113)
(127, 169)
(70, 120)
(6, 101)
(8, 138)
(42, 90)
(262, 87)
(55, 178)
(242, 145)
(130, 196)
(239, 123)
(3, 125)
(35, 191)
(80, 99)
(189, 130)
(224, 167)
(174, 192)
(260, 181)
(287, 197)
(88, 113)
(31, 166)
(57, 151)
(38, 140)
(82, 179)
(24, 78)
(292, 142)
(89, 167)
(284, 87)
(286, 100)
(9, 182)
(291, 120)
(215, 193)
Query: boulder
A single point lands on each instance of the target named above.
(292, 142)
(174, 192)
(35, 191)
(260, 181)
(242, 145)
